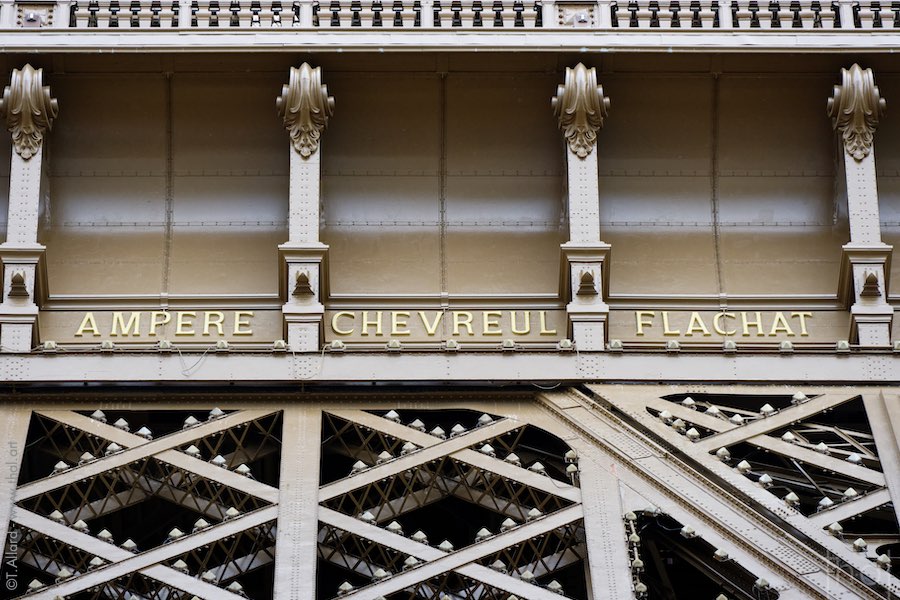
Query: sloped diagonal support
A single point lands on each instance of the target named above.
(437, 449)
(124, 562)
(884, 419)
(846, 510)
(138, 448)
(692, 496)
(472, 457)
(298, 496)
(462, 561)
(15, 434)
(796, 413)
(767, 442)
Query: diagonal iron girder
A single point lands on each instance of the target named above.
(796, 413)
(462, 561)
(123, 562)
(138, 448)
(426, 440)
(767, 442)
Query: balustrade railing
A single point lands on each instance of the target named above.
(466, 14)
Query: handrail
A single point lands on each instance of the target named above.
(747, 15)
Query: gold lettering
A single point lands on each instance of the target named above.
(396, 323)
(88, 325)
(802, 316)
(640, 322)
(746, 325)
(696, 324)
(157, 318)
(239, 322)
(779, 323)
(367, 322)
(512, 320)
(666, 329)
(208, 321)
(181, 323)
(718, 327)
(334, 323)
(430, 328)
(544, 330)
(462, 318)
(119, 327)
(491, 326)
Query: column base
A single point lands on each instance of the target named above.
(584, 285)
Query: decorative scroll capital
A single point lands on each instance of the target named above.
(854, 108)
(305, 107)
(581, 108)
(28, 110)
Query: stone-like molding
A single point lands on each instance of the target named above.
(854, 108)
(305, 107)
(581, 108)
(28, 109)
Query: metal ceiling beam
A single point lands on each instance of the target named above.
(123, 562)
(137, 448)
(434, 450)
(472, 457)
(438, 562)
(851, 508)
(783, 418)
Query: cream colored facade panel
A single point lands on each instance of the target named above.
(386, 260)
(779, 230)
(661, 261)
(232, 114)
(224, 261)
(114, 123)
(105, 235)
(96, 261)
(658, 124)
(503, 262)
(775, 123)
(800, 261)
(372, 200)
(384, 123)
(501, 122)
(5, 156)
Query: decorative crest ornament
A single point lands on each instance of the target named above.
(581, 108)
(305, 107)
(854, 108)
(28, 109)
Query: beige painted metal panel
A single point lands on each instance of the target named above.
(5, 158)
(887, 166)
(381, 159)
(776, 192)
(654, 164)
(504, 184)
(230, 161)
(107, 168)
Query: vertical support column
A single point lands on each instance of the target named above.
(855, 108)
(883, 412)
(29, 111)
(296, 546)
(7, 14)
(305, 108)
(581, 108)
(15, 420)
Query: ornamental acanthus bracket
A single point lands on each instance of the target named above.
(28, 110)
(581, 108)
(305, 107)
(855, 108)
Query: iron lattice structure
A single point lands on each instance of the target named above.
(603, 491)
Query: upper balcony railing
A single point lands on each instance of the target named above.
(696, 15)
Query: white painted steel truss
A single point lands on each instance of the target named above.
(633, 471)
